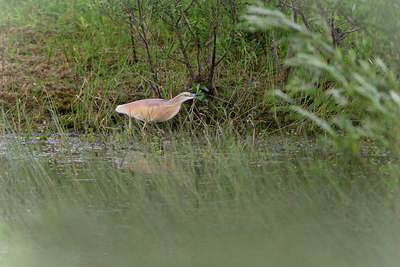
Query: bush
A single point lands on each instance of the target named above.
(365, 93)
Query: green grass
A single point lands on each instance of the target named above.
(233, 180)
(77, 57)
(194, 202)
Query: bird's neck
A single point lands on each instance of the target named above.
(175, 101)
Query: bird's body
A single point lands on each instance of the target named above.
(155, 109)
(148, 110)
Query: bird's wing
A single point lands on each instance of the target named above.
(167, 112)
(146, 109)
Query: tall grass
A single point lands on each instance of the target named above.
(348, 97)
(180, 198)
(76, 56)
(191, 202)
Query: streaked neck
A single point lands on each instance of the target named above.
(176, 100)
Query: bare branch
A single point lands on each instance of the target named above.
(167, 22)
(289, 5)
(185, 55)
(233, 11)
(354, 30)
(189, 6)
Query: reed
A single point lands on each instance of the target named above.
(189, 201)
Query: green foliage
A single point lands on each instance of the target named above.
(84, 60)
(366, 93)
(213, 187)
(198, 202)
(198, 33)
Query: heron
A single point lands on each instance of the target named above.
(154, 109)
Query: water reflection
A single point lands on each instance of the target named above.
(77, 150)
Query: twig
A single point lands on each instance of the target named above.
(197, 41)
(141, 77)
(175, 24)
(289, 5)
(232, 33)
(145, 38)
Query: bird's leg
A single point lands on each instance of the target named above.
(130, 125)
(143, 128)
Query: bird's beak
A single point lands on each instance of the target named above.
(194, 95)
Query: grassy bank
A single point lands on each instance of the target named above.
(78, 58)
(82, 59)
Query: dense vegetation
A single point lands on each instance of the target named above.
(290, 157)
(85, 57)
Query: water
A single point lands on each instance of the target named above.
(164, 201)
(60, 151)
(77, 149)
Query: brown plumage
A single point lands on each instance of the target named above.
(154, 110)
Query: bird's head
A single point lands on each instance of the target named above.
(182, 97)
